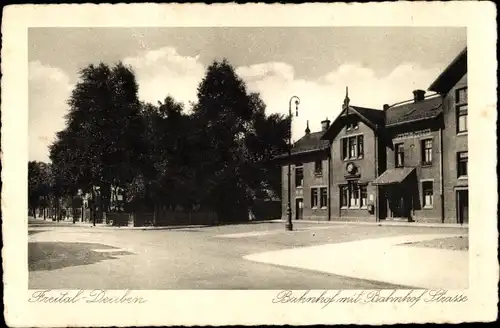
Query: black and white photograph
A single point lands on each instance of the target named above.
(323, 164)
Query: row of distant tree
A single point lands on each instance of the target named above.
(215, 156)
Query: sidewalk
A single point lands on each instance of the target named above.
(381, 259)
(384, 223)
(70, 223)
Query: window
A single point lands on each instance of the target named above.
(360, 146)
(345, 154)
(352, 126)
(363, 192)
(299, 176)
(461, 99)
(400, 155)
(352, 147)
(343, 196)
(318, 167)
(314, 197)
(428, 192)
(427, 152)
(461, 118)
(324, 197)
(353, 195)
(462, 164)
(461, 96)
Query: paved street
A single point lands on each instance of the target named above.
(65, 256)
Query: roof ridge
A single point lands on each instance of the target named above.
(412, 101)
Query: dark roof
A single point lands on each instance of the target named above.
(372, 117)
(311, 141)
(451, 74)
(308, 143)
(392, 176)
(413, 111)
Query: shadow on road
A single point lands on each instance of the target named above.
(55, 255)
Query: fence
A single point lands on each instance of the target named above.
(162, 218)
(169, 218)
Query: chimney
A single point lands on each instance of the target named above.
(325, 124)
(386, 107)
(418, 95)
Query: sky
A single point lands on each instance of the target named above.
(379, 65)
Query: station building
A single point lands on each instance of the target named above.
(407, 161)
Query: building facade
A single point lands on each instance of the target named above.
(452, 87)
(356, 160)
(407, 161)
(309, 171)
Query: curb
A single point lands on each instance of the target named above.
(396, 224)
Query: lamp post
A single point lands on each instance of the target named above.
(289, 224)
(95, 196)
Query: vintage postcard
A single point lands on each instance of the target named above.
(249, 164)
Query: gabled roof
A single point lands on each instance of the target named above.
(451, 74)
(311, 141)
(308, 143)
(413, 111)
(374, 118)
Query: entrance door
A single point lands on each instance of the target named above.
(400, 203)
(463, 206)
(299, 208)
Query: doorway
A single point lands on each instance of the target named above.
(299, 208)
(400, 202)
(463, 206)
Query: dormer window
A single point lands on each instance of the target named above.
(352, 126)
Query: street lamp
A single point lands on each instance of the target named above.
(95, 192)
(289, 224)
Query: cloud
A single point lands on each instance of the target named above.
(323, 97)
(49, 89)
(164, 72)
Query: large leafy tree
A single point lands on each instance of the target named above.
(217, 156)
(40, 186)
(166, 170)
(100, 145)
(235, 141)
(266, 139)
